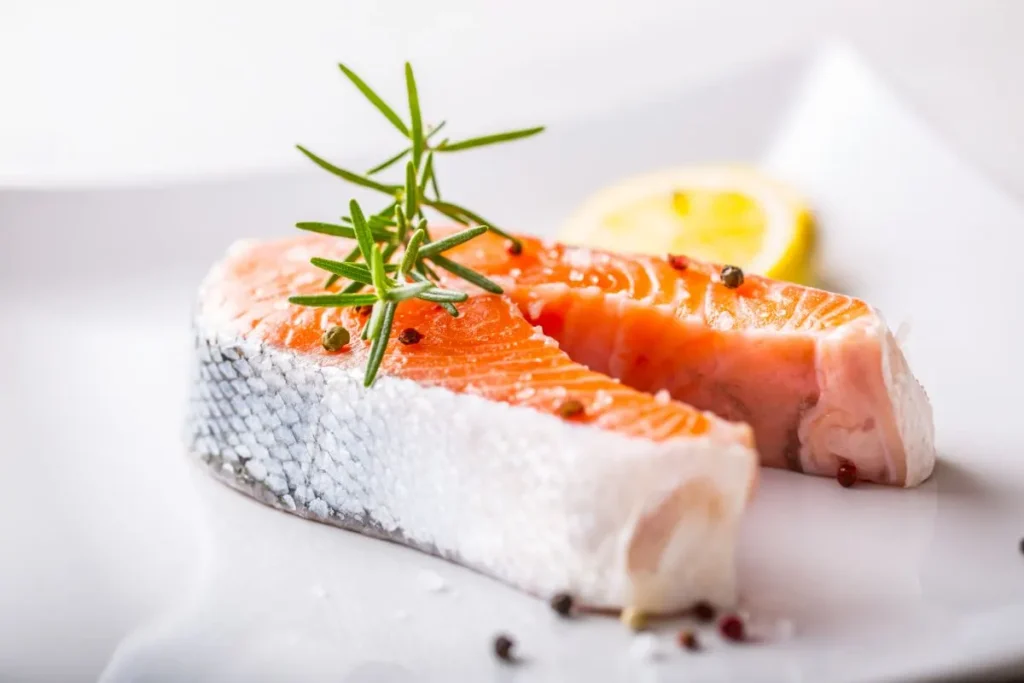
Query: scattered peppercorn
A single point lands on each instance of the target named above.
(633, 618)
(732, 277)
(503, 645)
(364, 309)
(846, 475)
(562, 604)
(335, 338)
(731, 628)
(678, 262)
(688, 640)
(410, 335)
(571, 408)
(703, 611)
(514, 248)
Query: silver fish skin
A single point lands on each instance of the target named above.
(525, 497)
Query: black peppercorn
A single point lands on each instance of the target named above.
(732, 277)
(503, 645)
(562, 604)
(703, 611)
(410, 336)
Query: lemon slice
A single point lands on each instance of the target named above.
(725, 214)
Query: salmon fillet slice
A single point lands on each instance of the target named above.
(462, 447)
(817, 375)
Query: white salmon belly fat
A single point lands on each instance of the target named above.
(522, 496)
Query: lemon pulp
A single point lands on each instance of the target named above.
(729, 215)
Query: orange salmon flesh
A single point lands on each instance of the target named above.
(649, 348)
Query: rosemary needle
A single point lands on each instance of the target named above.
(466, 274)
(388, 112)
(387, 163)
(444, 297)
(345, 231)
(356, 272)
(466, 217)
(489, 139)
(380, 281)
(372, 327)
(334, 300)
(349, 175)
(352, 287)
(451, 241)
(408, 291)
(400, 225)
(362, 231)
(440, 296)
(335, 277)
(416, 132)
(428, 175)
(412, 192)
(412, 251)
(380, 343)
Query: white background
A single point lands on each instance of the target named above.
(135, 91)
(127, 89)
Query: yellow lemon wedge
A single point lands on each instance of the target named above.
(725, 214)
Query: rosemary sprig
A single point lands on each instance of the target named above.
(401, 225)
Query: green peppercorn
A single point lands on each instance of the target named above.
(732, 277)
(335, 338)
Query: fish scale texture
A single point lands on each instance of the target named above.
(522, 496)
(461, 449)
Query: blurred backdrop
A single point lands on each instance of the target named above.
(127, 89)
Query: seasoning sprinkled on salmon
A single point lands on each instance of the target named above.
(591, 431)
(484, 441)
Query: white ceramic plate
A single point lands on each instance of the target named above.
(119, 556)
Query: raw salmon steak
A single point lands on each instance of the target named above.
(818, 376)
(464, 447)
